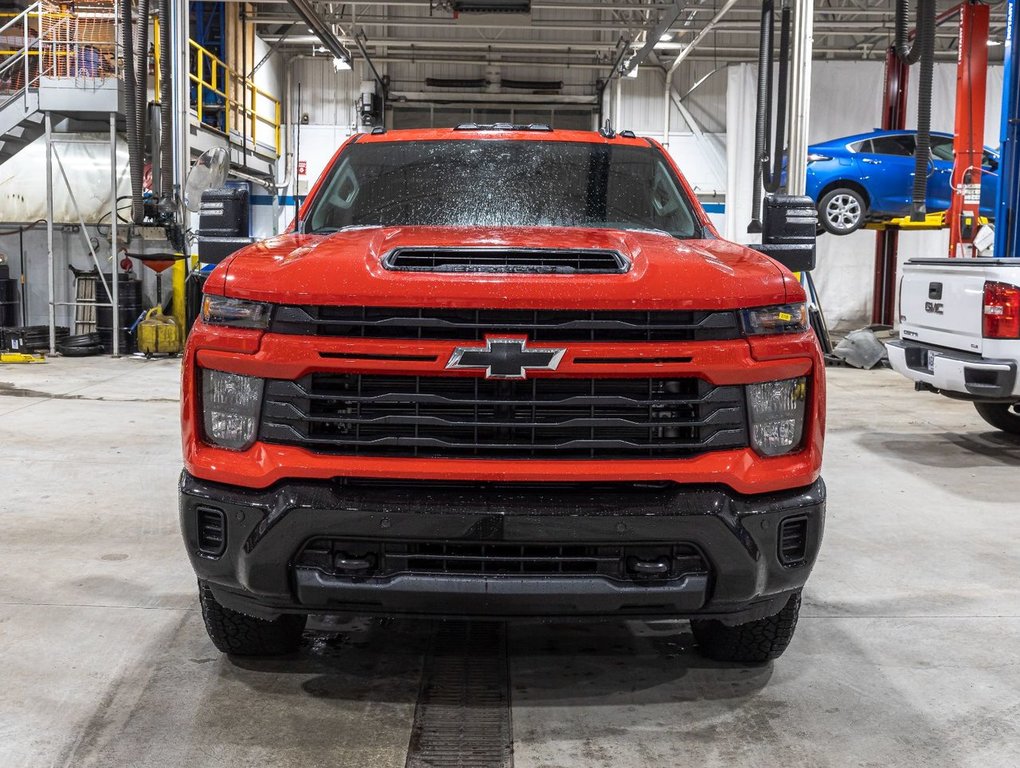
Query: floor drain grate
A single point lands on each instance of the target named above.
(462, 719)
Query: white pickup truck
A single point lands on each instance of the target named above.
(960, 333)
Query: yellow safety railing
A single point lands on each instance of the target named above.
(246, 106)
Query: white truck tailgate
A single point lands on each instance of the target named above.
(942, 300)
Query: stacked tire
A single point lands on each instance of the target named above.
(80, 345)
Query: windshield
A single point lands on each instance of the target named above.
(502, 184)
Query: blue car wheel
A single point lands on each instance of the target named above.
(842, 211)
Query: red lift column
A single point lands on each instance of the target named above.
(894, 118)
(968, 146)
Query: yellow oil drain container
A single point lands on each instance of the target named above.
(158, 334)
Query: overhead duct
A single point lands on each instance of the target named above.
(491, 6)
(532, 85)
(322, 30)
(455, 82)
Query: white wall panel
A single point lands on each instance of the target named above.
(271, 78)
(327, 96)
(642, 108)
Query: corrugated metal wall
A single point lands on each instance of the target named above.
(327, 96)
(643, 99)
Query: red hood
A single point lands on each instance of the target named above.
(345, 269)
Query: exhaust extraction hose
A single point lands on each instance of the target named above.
(922, 50)
(141, 77)
(772, 179)
(761, 109)
(166, 149)
(130, 106)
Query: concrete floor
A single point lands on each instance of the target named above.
(907, 653)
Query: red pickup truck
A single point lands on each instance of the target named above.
(502, 371)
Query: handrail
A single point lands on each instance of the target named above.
(221, 81)
(225, 82)
(20, 58)
(14, 17)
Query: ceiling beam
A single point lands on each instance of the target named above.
(322, 30)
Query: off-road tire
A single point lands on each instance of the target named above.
(1004, 416)
(752, 643)
(241, 635)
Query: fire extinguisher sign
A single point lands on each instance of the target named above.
(302, 167)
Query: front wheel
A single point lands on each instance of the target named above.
(751, 643)
(1004, 416)
(842, 211)
(242, 635)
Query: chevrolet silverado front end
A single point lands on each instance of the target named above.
(507, 373)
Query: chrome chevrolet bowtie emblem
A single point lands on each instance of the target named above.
(506, 358)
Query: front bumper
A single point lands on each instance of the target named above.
(949, 371)
(261, 568)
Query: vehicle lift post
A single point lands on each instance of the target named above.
(972, 66)
(1007, 209)
(894, 118)
(968, 145)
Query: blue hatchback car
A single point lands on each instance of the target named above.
(869, 177)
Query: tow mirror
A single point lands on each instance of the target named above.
(789, 231)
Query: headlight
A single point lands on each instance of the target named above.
(220, 310)
(777, 415)
(230, 408)
(785, 318)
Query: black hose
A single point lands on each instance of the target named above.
(761, 109)
(922, 153)
(923, 50)
(773, 178)
(141, 70)
(907, 53)
(166, 148)
(130, 107)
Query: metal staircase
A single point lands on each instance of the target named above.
(20, 120)
(21, 135)
(56, 61)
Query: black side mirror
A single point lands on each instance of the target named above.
(789, 230)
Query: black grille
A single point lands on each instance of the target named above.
(514, 260)
(212, 538)
(477, 558)
(475, 324)
(474, 417)
(793, 540)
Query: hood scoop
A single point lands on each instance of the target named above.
(539, 261)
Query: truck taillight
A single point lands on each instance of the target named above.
(1001, 319)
